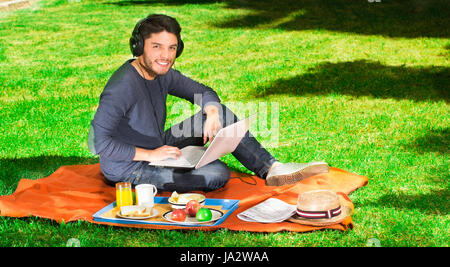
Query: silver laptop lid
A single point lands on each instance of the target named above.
(226, 141)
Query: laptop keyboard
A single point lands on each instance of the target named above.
(190, 156)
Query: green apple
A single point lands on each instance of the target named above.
(203, 215)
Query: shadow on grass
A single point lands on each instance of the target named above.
(365, 78)
(165, 2)
(402, 18)
(12, 170)
(437, 140)
(434, 202)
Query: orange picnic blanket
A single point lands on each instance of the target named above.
(76, 192)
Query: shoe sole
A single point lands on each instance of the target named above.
(297, 176)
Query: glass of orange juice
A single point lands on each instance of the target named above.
(124, 195)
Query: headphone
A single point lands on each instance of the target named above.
(137, 42)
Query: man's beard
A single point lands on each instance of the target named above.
(147, 66)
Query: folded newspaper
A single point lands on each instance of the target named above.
(271, 210)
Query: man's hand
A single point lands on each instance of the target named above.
(160, 153)
(212, 123)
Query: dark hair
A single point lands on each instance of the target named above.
(154, 23)
(157, 23)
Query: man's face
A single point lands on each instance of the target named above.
(160, 50)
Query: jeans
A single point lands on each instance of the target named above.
(212, 176)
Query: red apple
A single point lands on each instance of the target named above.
(192, 207)
(178, 215)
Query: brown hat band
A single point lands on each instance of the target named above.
(319, 214)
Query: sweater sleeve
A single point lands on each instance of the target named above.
(193, 91)
(113, 106)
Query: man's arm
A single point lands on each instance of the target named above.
(189, 89)
(112, 107)
(157, 154)
(212, 123)
(186, 88)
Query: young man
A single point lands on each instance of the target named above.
(128, 128)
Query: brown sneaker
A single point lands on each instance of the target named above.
(289, 173)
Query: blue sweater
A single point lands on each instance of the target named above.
(132, 113)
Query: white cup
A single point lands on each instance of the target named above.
(145, 194)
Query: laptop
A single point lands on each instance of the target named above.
(225, 141)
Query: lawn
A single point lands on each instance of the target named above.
(363, 85)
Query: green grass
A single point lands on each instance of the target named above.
(363, 86)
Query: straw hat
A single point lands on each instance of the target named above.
(321, 208)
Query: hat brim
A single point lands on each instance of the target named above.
(346, 211)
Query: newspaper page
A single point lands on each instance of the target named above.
(271, 210)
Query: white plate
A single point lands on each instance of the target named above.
(186, 196)
(216, 215)
(183, 206)
(154, 213)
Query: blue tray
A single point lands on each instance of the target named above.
(228, 206)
